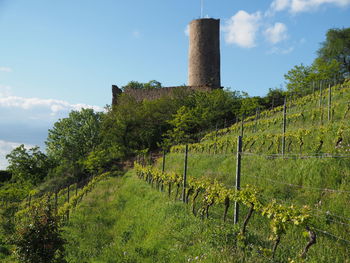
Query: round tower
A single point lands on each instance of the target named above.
(204, 53)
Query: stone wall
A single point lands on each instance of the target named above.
(204, 53)
(152, 94)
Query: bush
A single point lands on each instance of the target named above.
(38, 237)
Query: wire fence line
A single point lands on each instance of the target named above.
(296, 156)
(268, 155)
(332, 235)
(331, 214)
(289, 108)
(299, 186)
(336, 222)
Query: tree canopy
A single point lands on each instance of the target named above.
(337, 47)
(72, 138)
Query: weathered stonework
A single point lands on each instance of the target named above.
(155, 93)
(203, 65)
(204, 53)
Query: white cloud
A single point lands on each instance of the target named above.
(6, 69)
(241, 29)
(276, 33)
(311, 5)
(50, 106)
(281, 51)
(5, 148)
(298, 6)
(279, 5)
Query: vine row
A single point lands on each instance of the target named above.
(206, 193)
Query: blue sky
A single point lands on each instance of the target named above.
(56, 56)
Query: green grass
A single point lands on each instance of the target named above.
(126, 220)
(293, 181)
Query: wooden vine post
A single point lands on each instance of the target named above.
(320, 101)
(284, 126)
(242, 125)
(185, 176)
(238, 176)
(329, 102)
(163, 163)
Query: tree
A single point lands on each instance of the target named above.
(275, 97)
(337, 47)
(38, 238)
(325, 70)
(299, 78)
(28, 165)
(72, 138)
(152, 84)
(185, 124)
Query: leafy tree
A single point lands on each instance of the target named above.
(72, 138)
(184, 125)
(122, 124)
(275, 97)
(38, 237)
(5, 176)
(325, 70)
(337, 47)
(299, 78)
(102, 159)
(249, 105)
(138, 85)
(28, 165)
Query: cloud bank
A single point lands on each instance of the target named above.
(299, 6)
(276, 33)
(241, 29)
(27, 120)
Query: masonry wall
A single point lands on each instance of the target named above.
(204, 53)
(152, 94)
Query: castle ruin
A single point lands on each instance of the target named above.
(203, 63)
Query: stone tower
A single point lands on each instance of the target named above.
(204, 53)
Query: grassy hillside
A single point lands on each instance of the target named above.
(314, 172)
(125, 220)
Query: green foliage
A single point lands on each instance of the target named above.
(143, 227)
(184, 125)
(5, 176)
(72, 138)
(203, 111)
(281, 215)
(325, 70)
(38, 238)
(337, 47)
(100, 160)
(299, 79)
(275, 97)
(28, 165)
(152, 84)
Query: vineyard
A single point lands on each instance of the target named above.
(62, 202)
(295, 200)
(273, 187)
